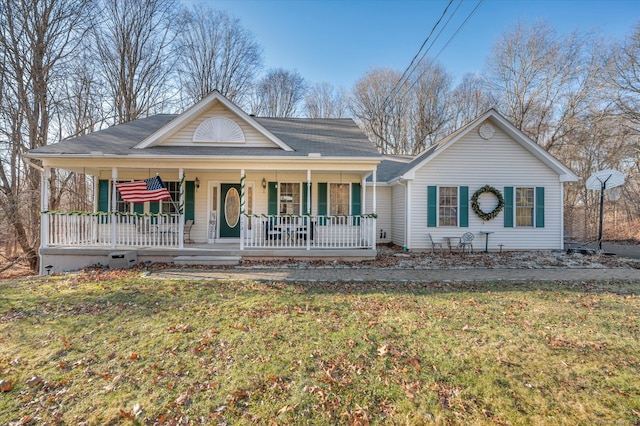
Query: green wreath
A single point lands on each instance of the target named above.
(475, 205)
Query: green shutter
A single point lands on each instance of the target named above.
(540, 207)
(306, 205)
(138, 208)
(356, 201)
(154, 207)
(272, 187)
(103, 195)
(463, 205)
(508, 206)
(322, 199)
(432, 205)
(322, 202)
(189, 200)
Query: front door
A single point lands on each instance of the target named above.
(230, 210)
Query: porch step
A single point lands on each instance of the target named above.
(207, 260)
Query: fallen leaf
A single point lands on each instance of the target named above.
(134, 356)
(183, 399)
(34, 381)
(6, 385)
(127, 414)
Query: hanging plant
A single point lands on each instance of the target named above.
(475, 205)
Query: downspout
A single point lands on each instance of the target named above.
(561, 215)
(407, 222)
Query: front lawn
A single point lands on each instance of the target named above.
(115, 347)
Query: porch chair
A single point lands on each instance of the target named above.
(271, 230)
(434, 244)
(187, 231)
(466, 241)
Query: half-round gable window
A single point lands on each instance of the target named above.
(218, 129)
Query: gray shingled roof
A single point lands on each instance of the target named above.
(329, 137)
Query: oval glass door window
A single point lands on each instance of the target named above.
(232, 207)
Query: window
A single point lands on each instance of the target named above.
(448, 206)
(169, 206)
(339, 199)
(524, 206)
(289, 198)
(121, 205)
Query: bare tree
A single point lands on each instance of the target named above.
(430, 99)
(134, 40)
(382, 119)
(279, 94)
(470, 98)
(324, 101)
(37, 38)
(534, 74)
(403, 117)
(216, 53)
(626, 77)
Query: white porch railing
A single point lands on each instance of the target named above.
(88, 229)
(309, 232)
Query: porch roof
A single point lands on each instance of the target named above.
(327, 137)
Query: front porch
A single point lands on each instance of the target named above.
(64, 259)
(73, 240)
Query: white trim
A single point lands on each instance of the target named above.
(196, 109)
(565, 174)
(210, 186)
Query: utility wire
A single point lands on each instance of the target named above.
(445, 45)
(404, 74)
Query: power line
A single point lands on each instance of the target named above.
(404, 74)
(445, 45)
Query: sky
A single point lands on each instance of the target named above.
(339, 41)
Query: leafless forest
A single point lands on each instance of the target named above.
(70, 67)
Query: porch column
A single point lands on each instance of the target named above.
(375, 179)
(308, 212)
(114, 178)
(44, 206)
(374, 207)
(242, 211)
(182, 207)
(363, 190)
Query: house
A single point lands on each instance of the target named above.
(259, 187)
(487, 178)
(249, 187)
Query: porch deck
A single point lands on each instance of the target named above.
(220, 253)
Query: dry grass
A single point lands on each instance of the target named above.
(113, 347)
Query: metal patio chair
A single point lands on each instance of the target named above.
(466, 241)
(434, 244)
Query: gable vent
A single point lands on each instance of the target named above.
(218, 129)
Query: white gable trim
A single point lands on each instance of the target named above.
(191, 113)
(564, 173)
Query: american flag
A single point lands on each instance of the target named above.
(152, 189)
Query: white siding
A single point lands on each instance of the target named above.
(260, 196)
(499, 162)
(383, 222)
(398, 206)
